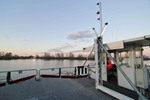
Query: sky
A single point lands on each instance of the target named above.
(30, 27)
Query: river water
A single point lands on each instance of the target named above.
(6, 65)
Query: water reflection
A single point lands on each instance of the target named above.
(6, 65)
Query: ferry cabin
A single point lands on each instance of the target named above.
(129, 55)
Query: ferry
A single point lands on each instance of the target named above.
(118, 73)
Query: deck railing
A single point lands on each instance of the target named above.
(65, 72)
(8, 76)
(57, 72)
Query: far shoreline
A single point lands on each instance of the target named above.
(46, 58)
(65, 58)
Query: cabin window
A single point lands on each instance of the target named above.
(138, 59)
(124, 59)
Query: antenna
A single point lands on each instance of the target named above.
(100, 16)
(95, 32)
(104, 29)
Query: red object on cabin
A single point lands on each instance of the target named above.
(109, 64)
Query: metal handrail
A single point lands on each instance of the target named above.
(38, 72)
(20, 70)
(60, 68)
(89, 55)
(92, 64)
(54, 68)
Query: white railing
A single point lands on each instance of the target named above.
(57, 72)
(61, 72)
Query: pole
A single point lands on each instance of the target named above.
(95, 32)
(88, 56)
(100, 50)
(104, 29)
(100, 9)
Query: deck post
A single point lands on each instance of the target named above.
(59, 72)
(8, 77)
(75, 71)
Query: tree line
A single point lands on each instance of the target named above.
(46, 56)
(62, 56)
(9, 56)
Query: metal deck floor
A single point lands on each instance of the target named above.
(53, 89)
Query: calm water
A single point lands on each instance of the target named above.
(6, 65)
(147, 62)
(38, 64)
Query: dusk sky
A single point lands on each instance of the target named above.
(30, 27)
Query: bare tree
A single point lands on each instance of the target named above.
(58, 55)
(61, 55)
(47, 55)
(9, 54)
(71, 55)
(80, 55)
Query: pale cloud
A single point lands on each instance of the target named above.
(61, 48)
(80, 35)
(76, 51)
(26, 40)
(7, 37)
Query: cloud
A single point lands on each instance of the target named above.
(55, 50)
(80, 35)
(7, 37)
(42, 52)
(25, 40)
(76, 51)
(60, 49)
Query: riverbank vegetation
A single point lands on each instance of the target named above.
(9, 56)
(62, 56)
(46, 56)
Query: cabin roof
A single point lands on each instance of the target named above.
(143, 41)
(140, 41)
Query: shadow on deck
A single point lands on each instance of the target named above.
(54, 89)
